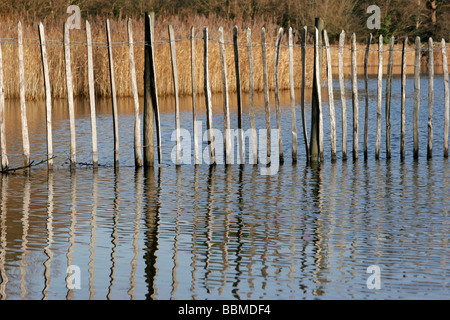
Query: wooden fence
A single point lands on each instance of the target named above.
(314, 149)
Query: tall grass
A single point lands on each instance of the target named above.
(54, 36)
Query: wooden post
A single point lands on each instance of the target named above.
(4, 162)
(316, 147)
(266, 90)
(226, 107)
(388, 97)
(342, 90)
(239, 97)
(305, 131)
(277, 92)
(173, 55)
(379, 96)
(330, 98)
(92, 95)
(113, 96)
(251, 89)
(403, 101)
(366, 86)
(48, 97)
(430, 97)
(208, 102)
(355, 99)
(23, 108)
(194, 97)
(446, 97)
(292, 96)
(137, 118)
(416, 99)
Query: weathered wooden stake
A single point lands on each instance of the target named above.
(226, 103)
(69, 85)
(342, 91)
(137, 118)
(430, 97)
(388, 97)
(292, 95)
(416, 99)
(251, 89)
(92, 95)
(330, 98)
(48, 97)
(113, 95)
(355, 100)
(305, 130)
(379, 96)
(277, 92)
(239, 97)
(173, 54)
(4, 155)
(446, 97)
(194, 97)
(23, 108)
(403, 101)
(266, 90)
(208, 102)
(366, 86)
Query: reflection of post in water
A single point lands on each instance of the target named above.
(3, 241)
(194, 232)
(73, 222)
(177, 234)
(226, 226)
(25, 227)
(114, 236)
(209, 221)
(49, 227)
(138, 185)
(252, 231)
(151, 209)
(93, 241)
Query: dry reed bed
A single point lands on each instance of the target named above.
(54, 35)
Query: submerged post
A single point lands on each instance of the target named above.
(226, 107)
(330, 98)
(277, 92)
(48, 97)
(92, 95)
(446, 97)
(4, 162)
(430, 97)
(208, 102)
(239, 97)
(194, 97)
(355, 100)
(315, 144)
(342, 91)
(251, 89)
(403, 101)
(266, 90)
(366, 86)
(23, 109)
(388, 97)
(292, 96)
(416, 99)
(173, 55)
(379, 96)
(305, 131)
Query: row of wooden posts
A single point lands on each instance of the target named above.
(151, 118)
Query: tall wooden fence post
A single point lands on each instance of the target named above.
(379, 96)
(330, 98)
(113, 95)
(137, 118)
(366, 86)
(305, 130)
(194, 97)
(403, 101)
(430, 97)
(208, 102)
(446, 97)
(48, 97)
(251, 89)
(266, 91)
(292, 95)
(23, 108)
(4, 162)
(173, 55)
(342, 91)
(226, 102)
(355, 100)
(241, 150)
(388, 97)
(416, 99)
(315, 144)
(92, 95)
(277, 93)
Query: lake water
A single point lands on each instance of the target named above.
(226, 232)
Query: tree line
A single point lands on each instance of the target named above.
(424, 18)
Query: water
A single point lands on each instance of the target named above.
(307, 232)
